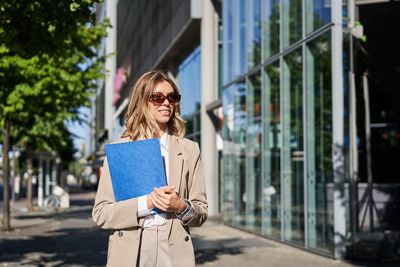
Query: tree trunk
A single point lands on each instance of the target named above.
(29, 192)
(6, 172)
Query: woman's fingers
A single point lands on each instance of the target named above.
(150, 204)
(166, 199)
(167, 187)
(158, 203)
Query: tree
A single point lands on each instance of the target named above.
(48, 66)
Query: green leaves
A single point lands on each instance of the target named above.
(48, 65)
(74, 6)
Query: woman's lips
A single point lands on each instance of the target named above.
(165, 112)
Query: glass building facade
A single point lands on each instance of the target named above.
(278, 120)
(189, 84)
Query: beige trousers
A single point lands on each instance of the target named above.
(154, 251)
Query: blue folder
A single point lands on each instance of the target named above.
(135, 168)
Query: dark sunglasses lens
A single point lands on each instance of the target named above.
(173, 98)
(158, 98)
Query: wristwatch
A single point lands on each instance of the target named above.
(185, 211)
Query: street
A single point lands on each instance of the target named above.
(70, 238)
(67, 238)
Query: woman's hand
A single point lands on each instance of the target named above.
(150, 204)
(165, 199)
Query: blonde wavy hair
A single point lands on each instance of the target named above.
(140, 124)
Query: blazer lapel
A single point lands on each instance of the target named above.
(175, 159)
(175, 162)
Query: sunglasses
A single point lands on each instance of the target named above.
(160, 98)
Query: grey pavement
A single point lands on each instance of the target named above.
(70, 238)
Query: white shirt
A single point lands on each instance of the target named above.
(143, 211)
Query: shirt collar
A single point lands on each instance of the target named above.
(164, 141)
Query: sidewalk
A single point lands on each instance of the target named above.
(224, 246)
(67, 238)
(70, 238)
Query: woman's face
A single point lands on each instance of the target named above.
(162, 112)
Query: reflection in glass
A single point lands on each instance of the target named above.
(272, 151)
(318, 14)
(189, 81)
(253, 173)
(189, 125)
(293, 147)
(197, 122)
(227, 176)
(239, 150)
(227, 41)
(239, 38)
(220, 61)
(291, 21)
(271, 28)
(319, 144)
(253, 33)
(386, 141)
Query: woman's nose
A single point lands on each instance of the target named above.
(166, 100)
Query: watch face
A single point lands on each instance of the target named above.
(186, 210)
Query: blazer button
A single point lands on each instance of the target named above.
(120, 234)
(187, 238)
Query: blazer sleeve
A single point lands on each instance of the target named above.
(197, 192)
(109, 214)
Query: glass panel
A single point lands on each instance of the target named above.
(351, 223)
(220, 62)
(196, 78)
(384, 96)
(272, 151)
(189, 81)
(291, 21)
(227, 40)
(186, 88)
(254, 33)
(271, 28)
(239, 140)
(385, 141)
(239, 38)
(318, 13)
(319, 144)
(189, 124)
(228, 175)
(197, 122)
(293, 147)
(253, 184)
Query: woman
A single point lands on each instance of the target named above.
(138, 237)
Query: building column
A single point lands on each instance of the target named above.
(209, 93)
(111, 66)
(92, 131)
(40, 182)
(339, 201)
(47, 178)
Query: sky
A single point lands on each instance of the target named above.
(82, 131)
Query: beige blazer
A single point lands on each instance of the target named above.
(186, 173)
